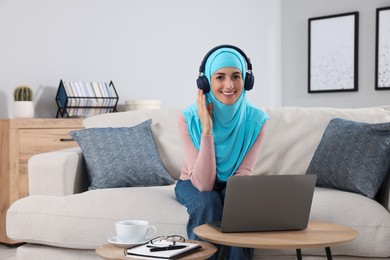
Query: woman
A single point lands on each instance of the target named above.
(221, 134)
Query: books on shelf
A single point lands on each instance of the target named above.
(83, 99)
(163, 250)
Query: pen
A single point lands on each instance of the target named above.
(155, 249)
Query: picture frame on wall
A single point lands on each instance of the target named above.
(382, 57)
(333, 53)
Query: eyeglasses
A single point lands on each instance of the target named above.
(173, 239)
(162, 243)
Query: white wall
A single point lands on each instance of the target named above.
(151, 49)
(295, 15)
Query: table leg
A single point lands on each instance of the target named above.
(328, 253)
(299, 254)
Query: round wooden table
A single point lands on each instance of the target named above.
(110, 251)
(317, 234)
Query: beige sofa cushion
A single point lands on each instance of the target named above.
(367, 216)
(87, 220)
(293, 134)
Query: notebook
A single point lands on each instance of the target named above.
(145, 251)
(267, 203)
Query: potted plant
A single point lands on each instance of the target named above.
(23, 102)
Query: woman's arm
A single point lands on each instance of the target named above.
(199, 166)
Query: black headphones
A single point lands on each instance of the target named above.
(203, 82)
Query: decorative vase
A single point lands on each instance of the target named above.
(23, 109)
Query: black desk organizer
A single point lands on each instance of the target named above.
(83, 99)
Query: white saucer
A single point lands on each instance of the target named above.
(117, 242)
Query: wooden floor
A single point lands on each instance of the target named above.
(9, 253)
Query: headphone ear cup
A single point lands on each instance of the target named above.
(249, 81)
(203, 84)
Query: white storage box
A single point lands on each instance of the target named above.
(142, 104)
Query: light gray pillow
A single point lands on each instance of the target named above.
(121, 157)
(352, 156)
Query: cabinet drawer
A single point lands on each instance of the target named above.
(34, 141)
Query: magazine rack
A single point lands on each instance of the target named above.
(83, 99)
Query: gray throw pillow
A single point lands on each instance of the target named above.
(352, 156)
(121, 157)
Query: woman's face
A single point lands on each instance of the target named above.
(227, 85)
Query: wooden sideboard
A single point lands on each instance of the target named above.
(19, 140)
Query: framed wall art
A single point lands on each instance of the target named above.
(333, 53)
(382, 60)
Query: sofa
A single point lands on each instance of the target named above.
(64, 219)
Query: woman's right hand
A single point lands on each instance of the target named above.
(205, 113)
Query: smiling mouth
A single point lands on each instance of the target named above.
(228, 93)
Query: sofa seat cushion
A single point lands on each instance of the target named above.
(367, 216)
(87, 220)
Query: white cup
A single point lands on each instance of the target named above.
(134, 231)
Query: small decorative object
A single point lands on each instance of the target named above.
(144, 104)
(382, 69)
(23, 102)
(333, 53)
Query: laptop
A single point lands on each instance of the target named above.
(267, 203)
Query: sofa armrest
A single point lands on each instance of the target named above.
(58, 173)
(384, 193)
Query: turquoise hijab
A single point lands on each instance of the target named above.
(235, 127)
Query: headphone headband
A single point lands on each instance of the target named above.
(203, 64)
(202, 81)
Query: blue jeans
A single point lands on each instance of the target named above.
(203, 207)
